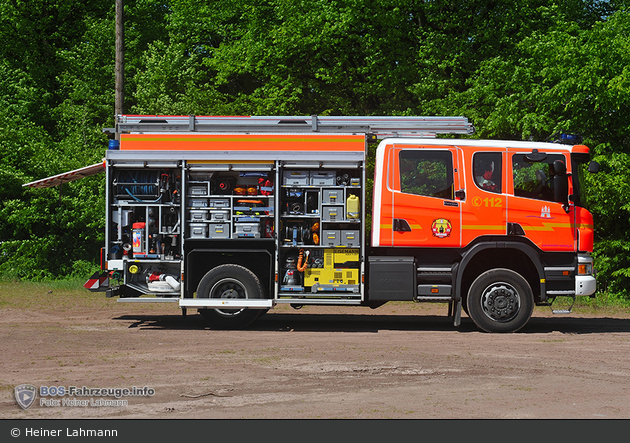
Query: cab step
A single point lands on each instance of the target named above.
(561, 309)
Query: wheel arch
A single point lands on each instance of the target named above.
(200, 261)
(518, 257)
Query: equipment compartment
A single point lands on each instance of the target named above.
(392, 278)
(236, 204)
(320, 239)
(144, 212)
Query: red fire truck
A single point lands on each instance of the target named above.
(233, 216)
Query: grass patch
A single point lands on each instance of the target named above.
(603, 302)
(64, 295)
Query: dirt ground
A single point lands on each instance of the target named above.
(400, 361)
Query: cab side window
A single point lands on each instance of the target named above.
(534, 179)
(426, 172)
(487, 170)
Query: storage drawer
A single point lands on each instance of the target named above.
(198, 230)
(198, 190)
(295, 178)
(218, 203)
(332, 196)
(198, 215)
(350, 238)
(219, 215)
(331, 237)
(247, 230)
(218, 230)
(323, 178)
(332, 213)
(198, 202)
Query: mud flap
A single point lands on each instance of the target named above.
(457, 313)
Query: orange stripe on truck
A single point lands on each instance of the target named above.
(242, 142)
(486, 227)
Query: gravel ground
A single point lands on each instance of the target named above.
(400, 361)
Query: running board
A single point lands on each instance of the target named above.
(148, 299)
(434, 298)
(318, 301)
(223, 303)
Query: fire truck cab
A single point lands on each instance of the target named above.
(496, 226)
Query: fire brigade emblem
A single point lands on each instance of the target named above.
(25, 395)
(441, 228)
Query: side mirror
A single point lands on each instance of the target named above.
(559, 168)
(593, 167)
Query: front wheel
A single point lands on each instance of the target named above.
(230, 281)
(500, 300)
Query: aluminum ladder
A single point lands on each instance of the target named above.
(375, 127)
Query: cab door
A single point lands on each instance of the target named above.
(532, 210)
(484, 213)
(425, 181)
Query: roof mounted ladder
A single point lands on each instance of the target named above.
(377, 126)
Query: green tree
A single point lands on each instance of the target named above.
(567, 79)
(522, 70)
(286, 57)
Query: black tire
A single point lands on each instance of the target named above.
(230, 281)
(465, 307)
(500, 300)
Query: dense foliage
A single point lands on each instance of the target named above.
(518, 70)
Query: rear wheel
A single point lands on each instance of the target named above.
(230, 282)
(500, 300)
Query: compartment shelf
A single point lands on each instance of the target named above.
(223, 213)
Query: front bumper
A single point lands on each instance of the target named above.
(585, 283)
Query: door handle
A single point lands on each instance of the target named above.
(515, 229)
(401, 225)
